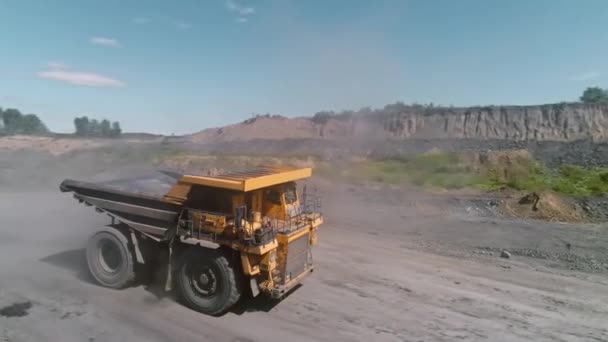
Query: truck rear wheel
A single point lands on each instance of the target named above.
(110, 259)
(207, 282)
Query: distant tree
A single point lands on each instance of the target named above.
(13, 122)
(321, 118)
(94, 128)
(395, 108)
(105, 128)
(115, 131)
(82, 126)
(86, 127)
(365, 111)
(345, 115)
(594, 95)
(31, 124)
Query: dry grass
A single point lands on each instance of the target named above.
(51, 145)
(513, 169)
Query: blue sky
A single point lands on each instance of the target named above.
(181, 66)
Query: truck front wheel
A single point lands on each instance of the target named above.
(207, 282)
(110, 259)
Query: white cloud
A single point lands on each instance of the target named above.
(587, 76)
(60, 72)
(240, 9)
(56, 65)
(141, 20)
(242, 20)
(182, 25)
(103, 41)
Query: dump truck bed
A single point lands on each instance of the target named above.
(155, 211)
(144, 212)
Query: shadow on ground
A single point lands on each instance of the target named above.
(261, 303)
(75, 261)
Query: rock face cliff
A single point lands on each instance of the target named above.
(559, 122)
(554, 122)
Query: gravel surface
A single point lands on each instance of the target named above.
(390, 266)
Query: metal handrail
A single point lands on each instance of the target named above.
(310, 208)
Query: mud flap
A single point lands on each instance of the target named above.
(138, 255)
(254, 287)
(169, 278)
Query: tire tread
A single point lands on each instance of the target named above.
(129, 277)
(234, 280)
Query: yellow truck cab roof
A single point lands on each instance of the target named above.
(239, 181)
(250, 180)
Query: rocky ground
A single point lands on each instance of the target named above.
(391, 265)
(552, 153)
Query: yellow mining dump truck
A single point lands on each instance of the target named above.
(219, 234)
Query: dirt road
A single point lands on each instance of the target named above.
(386, 270)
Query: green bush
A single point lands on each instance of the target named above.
(452, 171)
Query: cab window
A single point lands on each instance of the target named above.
(273, 197)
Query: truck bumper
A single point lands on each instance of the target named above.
(281, 290)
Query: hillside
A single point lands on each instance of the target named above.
(553, 122)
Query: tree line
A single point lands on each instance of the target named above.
(12, 121)
(591, 95)
(595, 95)
(86, 127)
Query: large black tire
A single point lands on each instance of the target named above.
(207, 282)
(110, 259)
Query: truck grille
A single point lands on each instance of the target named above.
(298, 258)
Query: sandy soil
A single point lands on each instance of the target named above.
(54, 146)
(390, 266)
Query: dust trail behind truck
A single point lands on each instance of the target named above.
(221, 234)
